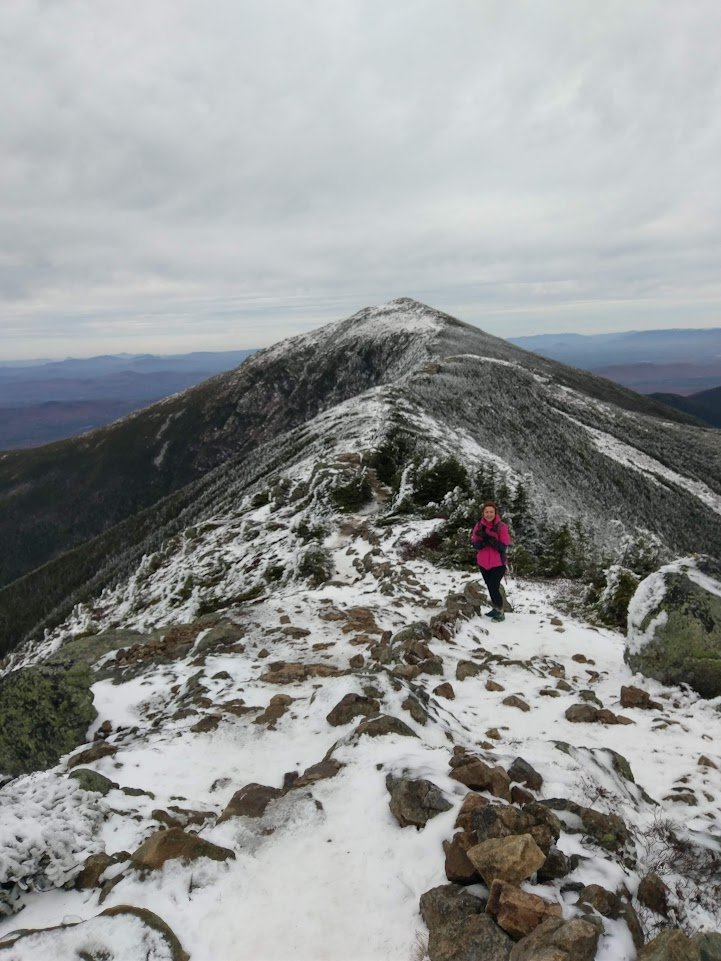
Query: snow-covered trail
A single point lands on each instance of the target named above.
(324, 858)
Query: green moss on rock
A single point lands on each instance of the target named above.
(45, 712)
(686, 649)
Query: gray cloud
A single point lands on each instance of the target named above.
(177, 175)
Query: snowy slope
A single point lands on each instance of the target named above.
(329, 859)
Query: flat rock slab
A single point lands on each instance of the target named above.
(175, 844)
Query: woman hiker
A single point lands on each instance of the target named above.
(490, 538)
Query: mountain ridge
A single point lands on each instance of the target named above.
(534, 415)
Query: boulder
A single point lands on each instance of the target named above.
(479, 776)
(140, 932)
(709, 945)
(607, 830)
(415, 802)
(94, 753)
(458, 868)
(471, 803)
(385, 724)
(466, 669)
(320, 771)
(653, 893)
(558, 940)
(458, 930)
(175, 844)
(350, 707)
(513, 700)
(513, 858)
(284, 672)
(670, 945)
(91, 781)
(517, 911)
(501, 820)
(522, 771)
(674, 626)
(250, 801)
(45, 712)
(278, 705)
(93, 867)
(636, 697)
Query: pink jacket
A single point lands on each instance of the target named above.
(488, 556)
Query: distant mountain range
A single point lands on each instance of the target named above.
(649, 361)
(48, 401)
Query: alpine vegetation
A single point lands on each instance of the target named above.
(302, 738)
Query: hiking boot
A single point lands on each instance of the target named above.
(491, 613)
(497, 615)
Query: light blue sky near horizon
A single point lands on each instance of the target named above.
(177, 177)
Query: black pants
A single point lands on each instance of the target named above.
(493, 578)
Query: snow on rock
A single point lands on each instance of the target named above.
(650, 594)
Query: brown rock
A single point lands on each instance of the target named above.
(466, 669)
(558, 940)
(512, 858)
(352, 706)
(357, 661)
(321, 771)
(445, 690)
(600, 899)
(520, 796)
(517, 911)
(479, 776)
(458, 868)
(494, 685)
(175, 844)
(582, 713)
(653, 893)
(385, 724)
(94, 753)
(502, 820)
(471, 803)
(670, 945)
(707, 762)
(250, 801)
(94, 866)
(279, 705)
(283, 672)
(514, 701)
(206, 724)
(636, 697)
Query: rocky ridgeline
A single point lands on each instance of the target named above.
(511, 891)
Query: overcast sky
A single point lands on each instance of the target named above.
(178, 175)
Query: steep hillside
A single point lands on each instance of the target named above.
(705, 405)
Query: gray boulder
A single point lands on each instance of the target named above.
(45, 712)
(458, 928)
(415, 802)
(674, 626)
